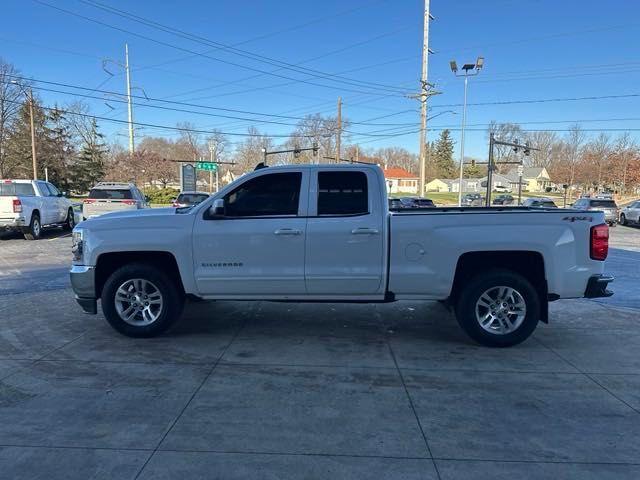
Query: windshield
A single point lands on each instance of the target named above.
(110, 194)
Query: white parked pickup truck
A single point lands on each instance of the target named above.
(324, 233)
(30, 205)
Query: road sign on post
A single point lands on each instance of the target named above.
(188, 178)
(208, 166)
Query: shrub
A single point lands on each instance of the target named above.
(162, 196)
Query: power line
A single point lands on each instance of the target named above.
(166, 127)
(166, 44)
(543, 100)
(232, 49)
(172, 102)
(277, 32)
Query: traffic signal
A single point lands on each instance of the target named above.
(315, 149)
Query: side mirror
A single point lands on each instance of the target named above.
(146, 198)
(63, 194)
(217, 209)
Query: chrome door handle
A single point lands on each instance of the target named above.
(364, 231)
(287, 231)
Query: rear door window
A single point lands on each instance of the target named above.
(342, 193)
(111, 194)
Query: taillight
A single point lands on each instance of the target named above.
(129, 202)
(88, 201)
(599, 247)
(17, 205)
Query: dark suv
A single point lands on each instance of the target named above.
(607, 205)
(472, 200)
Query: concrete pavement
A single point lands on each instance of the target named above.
(267, 390)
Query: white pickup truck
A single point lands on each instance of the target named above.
(29, 205)
(325, 233)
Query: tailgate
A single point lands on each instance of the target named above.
(6, 207)
(92, 208)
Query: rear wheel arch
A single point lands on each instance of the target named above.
(529, 264)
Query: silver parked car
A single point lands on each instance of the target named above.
(607, 205)
(109, 197)
(630, 214)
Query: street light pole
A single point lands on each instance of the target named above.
(129, 100)
(466, 68)
(464, 123)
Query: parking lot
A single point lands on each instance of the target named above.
(273, 390)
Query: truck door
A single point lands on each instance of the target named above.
(257, 247)
(345, 234)
(47, 204)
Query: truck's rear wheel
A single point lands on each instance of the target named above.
(499, 308)
(140, 300)
(34, 230)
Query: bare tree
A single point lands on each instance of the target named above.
(574, 143)
(508, 132)
(11, 98)
(249, 152)
(546, 144)
(598, 155)
(625, 150)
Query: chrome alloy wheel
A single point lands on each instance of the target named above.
(501, 310)
(36, 227)
(138, 302)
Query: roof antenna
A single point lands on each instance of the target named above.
(260, 166)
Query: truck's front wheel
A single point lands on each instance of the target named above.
(140, 300)
(499, 308)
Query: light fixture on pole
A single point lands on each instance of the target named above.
(29, 95)
(469, 70)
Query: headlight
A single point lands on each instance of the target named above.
(77, 244)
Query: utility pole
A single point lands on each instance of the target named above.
(339, 131)
(423, 99)
(129, 101)
(34, 157)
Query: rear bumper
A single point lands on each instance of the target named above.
(13, 223)
(597, 286)
(83, 282)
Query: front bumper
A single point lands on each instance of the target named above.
(83, 282)
(597, 286)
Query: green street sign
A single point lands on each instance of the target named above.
(211, 167)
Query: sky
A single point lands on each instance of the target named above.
(291, 58)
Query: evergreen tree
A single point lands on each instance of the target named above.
(19, 141)
(58, 150)
(89, 166)
(442, 154)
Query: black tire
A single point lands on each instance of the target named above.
(71, 220)
(172, 298)
(34, 230)
(623, 219)
(474, 289)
